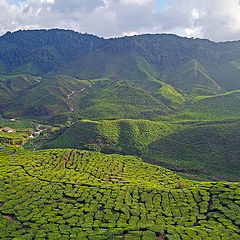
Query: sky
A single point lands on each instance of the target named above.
(217, 20)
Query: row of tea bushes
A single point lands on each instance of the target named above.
(69, 194)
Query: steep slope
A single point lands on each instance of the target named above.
(227, 75)
(208, 149)
(164, 70)
(11, 85)
(85, 195)
(192, 79)
(121, 99)
(119, 136)
(219, 107)
(51, 95)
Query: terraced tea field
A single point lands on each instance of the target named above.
(73, 194)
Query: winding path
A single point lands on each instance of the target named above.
(70, 94)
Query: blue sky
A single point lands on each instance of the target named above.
(161, 4)
(217, 20)
(14, 1)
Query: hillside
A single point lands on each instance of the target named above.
(204, 149)
(117, 136)
(49, 95)
(208, 149)
(169, 105)
(217, 107)
(86, 195)
(139, 77)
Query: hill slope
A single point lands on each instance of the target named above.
(209, 149)
(163, 70)
(86, 195)
(218, 107)
(119, 136)
(48, 96)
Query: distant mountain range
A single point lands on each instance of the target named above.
(158, 73)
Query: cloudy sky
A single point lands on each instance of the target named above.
(218, 20)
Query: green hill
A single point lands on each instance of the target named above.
(49, 95)
(150, 75)
(117, 136)
(192, 79)
(219, 107)
(200, 148)
(207, 149)
(168, 100)
(11, 85)
(119, 100)
(64, 194)
(227, 75)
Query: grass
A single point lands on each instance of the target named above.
(48, 97)
(19, 123)
(119, 100)
(204, 149)
(15, 138)
(191, 79)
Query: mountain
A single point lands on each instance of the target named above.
(111, 115)
(165, 70)
(114, 95)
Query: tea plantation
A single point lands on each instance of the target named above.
(74, 194)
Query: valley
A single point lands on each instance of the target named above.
(121, 138)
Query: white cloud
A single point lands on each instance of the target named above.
(137, 2)
(215, 19)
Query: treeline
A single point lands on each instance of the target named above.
(47, 49)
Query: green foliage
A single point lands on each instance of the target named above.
(14, 138)
(48, 96)
(219, 107)
(191, 78)
(76, 194)
(122, 136)
(120, 99)
(205, 149)
(20, 123)
(140, 77)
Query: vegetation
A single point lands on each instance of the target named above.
(48, 96)
(207, 149)
(116, 136)
(19, 124)
(139, 77)
(219, 107)
(167, 100)
(14, 138)
(76, 194)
